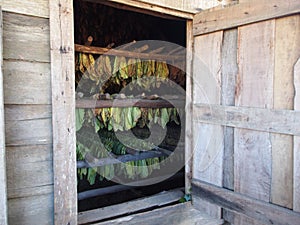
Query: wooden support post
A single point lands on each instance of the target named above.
(63, 112)
(188, 108)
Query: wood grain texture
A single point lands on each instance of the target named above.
(259, 119)
(296, 202)
(26, 82)
(244, 13)
(157, 200)
(38, 8)
(28, 167)
(129, 54)
(27, 112)
(153, 6)
(207, 139)
(123, 103)
(3, 185)
(33, 210)
(63, 112)
(25, 38)
(189, 5)
(252, 174)
(188, 108)
(262, 212)
(287, 51)
(183, 214)
(229, 74)
(28, 125)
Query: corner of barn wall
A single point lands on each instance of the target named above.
(27, 99)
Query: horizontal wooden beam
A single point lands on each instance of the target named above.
(122, 103)
(128, 54)
(94, 162)
(264, 212)
(147, 8)
(241, 14)
(126, 208)
(132, 185)
(275, 121)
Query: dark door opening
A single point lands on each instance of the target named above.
(128, 131)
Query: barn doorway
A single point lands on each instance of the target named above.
(103, 108)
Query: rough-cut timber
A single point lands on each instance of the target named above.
(207, 138)
(229, 75)
(287, 51)
(28, 80)
(28, 29)
(252, 174)
(63, 113)
(188, 108)
(183, 214)
(261, 211)
(38, 8)
(259, 119)
(134, 206)
(244, 13)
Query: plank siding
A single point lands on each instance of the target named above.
(25, 38)
(36, 8)
(208, 139)
(34, 210)
(287, 51)
(255, 89)
(28, 125)
(27, 95)
(29, 166)
(30, 81)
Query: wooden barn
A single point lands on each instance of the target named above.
(231, 125)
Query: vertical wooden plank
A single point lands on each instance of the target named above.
(207, 139)
(296, 205)
(229, 74)
(3, 189)
(188, 108)
(252, 155)
(287, 51)
(63, 111)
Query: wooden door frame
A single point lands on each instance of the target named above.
(63, 101)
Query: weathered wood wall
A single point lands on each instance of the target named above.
(255, 74)
(27, 99)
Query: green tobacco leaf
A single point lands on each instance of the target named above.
(164, 117)
(79, 114)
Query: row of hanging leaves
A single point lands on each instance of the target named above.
(109, 143)
(106, 71)
(97, 75)
(115, 121)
